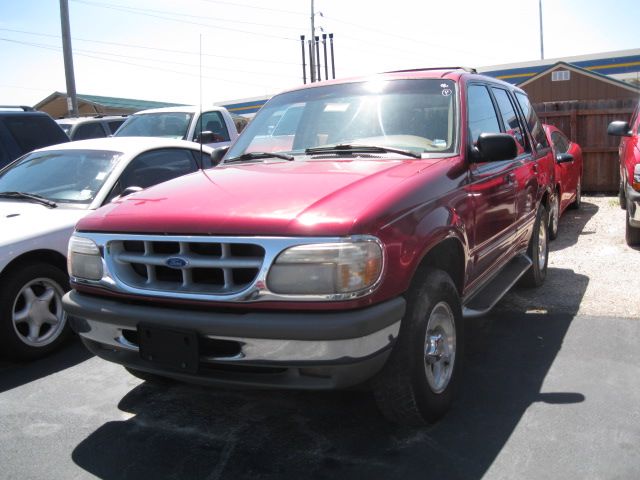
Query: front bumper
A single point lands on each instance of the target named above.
(309, 350)
(633, 206)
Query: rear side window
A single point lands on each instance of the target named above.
(34, 131)
(115, 124)
(509, 118)
(89, 130)
(482, 115)
(533, 122)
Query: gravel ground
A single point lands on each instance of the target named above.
(591, 268)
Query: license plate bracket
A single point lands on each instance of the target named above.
(171, 348)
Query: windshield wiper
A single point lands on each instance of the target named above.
(346, 148)
(29, 196)
(258, 155)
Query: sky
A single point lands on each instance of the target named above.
(193, 51)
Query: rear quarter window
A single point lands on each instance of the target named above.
(31, 132)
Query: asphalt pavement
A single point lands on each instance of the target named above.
(549, 392)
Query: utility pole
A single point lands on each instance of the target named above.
(313, 33)
(541, 36)
(72, 101)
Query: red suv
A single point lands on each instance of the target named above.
(629, 152)
(345, 249)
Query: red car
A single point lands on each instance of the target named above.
(568, 184)
(629, 152)
(351, 253)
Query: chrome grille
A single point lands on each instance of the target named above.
(192, 266)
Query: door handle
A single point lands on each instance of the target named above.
(510, 177)
(534, 167)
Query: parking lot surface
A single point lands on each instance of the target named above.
(550, 390)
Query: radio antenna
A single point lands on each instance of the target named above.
(200, 101)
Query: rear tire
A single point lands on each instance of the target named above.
(538, 251)
(554, 216)
(417, 384)
(577, 203)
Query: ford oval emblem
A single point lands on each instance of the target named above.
(176, 262)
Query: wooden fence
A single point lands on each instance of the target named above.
(586, 124)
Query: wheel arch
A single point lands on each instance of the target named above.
(449, 256)
(50, 257)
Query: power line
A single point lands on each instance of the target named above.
(253, 7)
(57, 49)
(217, 27)
(402, 37)
(146, 47)
(133, 57)
(177, 14)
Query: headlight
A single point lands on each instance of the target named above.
(325, 269)
(636, 177)
(83, 259)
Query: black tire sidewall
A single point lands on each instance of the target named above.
(13, 281)
(554, 225)
(437, 287)
(402, 391)
(535, 276)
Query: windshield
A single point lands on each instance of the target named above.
(63, 176)
(416, 115)
(160, 124)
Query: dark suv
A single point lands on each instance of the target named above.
(23, 129)
(98, 126)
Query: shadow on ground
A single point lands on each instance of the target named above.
(192, 432)
(572, 224)
(13, 375)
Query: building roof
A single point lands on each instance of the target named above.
(584, 71)
(621, 62)
(108, 102)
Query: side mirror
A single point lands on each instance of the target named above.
(493, 147)
(619, 129)
(564, 158)
(127, 191)
(218, 154)
(207, 137)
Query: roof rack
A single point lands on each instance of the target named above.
(466, 69)
(24, 108)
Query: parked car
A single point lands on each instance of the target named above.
(568, 176)
(42, 196)
(97, 126)
(211, 126)
(629, 153)
(23, 129)
(403, 203)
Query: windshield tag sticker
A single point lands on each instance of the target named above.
(446, 92)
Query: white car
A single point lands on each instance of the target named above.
(42, 196)
(211, 126)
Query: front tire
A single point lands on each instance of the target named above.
(417, 384)
(632, 234)
(32, 321)
(538, 251)
(622, 197)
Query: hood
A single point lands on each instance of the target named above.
(309, 198)
(24, 220)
